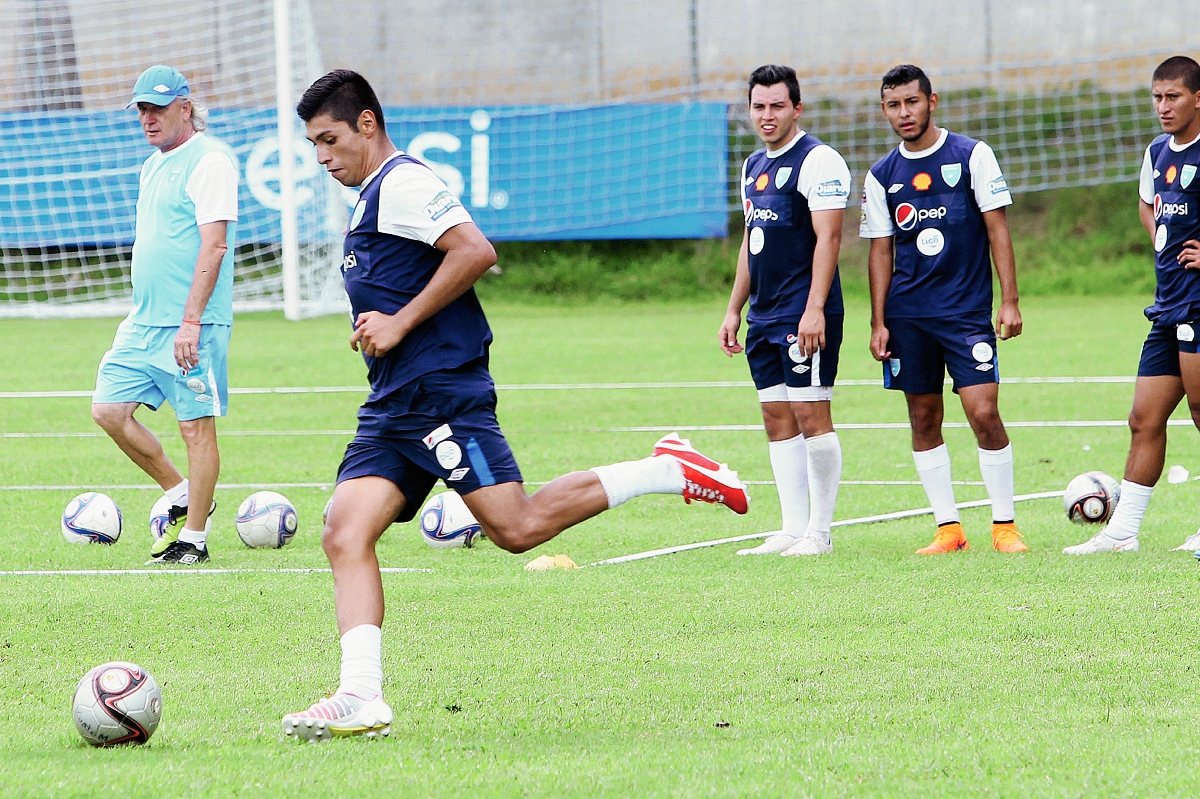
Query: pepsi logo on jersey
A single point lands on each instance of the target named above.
(1170, 209)
(907, 215)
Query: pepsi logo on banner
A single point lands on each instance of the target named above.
(906, 216)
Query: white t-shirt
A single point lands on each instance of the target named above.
(416, 204)
(987, 184)
(824, 178)
(213, 187)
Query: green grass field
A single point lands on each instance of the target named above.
(872, 672)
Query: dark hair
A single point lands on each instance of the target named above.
(342, 94)
(771, 74)
(903, 75)
(1181, 68)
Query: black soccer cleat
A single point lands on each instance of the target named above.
(181, 553)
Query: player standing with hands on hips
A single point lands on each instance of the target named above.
(1169, 193)
(794, 196)
(411, 256)
(933, 209)
(173, 346)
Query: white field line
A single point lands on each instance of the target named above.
(569, 386)
(882, 517)
(329, 486)
(97, 572)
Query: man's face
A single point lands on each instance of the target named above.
(908, 109)
(343, 151)
(166, 126)
(773, 114)
(1176, 105)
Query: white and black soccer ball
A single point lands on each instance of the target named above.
(117, 703)
(91, 518)
(266, 520)
(1091, 498)
(446, 522)
(160, 517)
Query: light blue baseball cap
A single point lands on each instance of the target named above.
(159, 85)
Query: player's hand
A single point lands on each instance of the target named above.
(1008, 321)
(1189, 256)
(376, 333)
(810, 333)
(187, 347)
(728, 334)
(880, 336)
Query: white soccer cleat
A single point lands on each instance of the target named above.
(1192, 544)
(1103, 542)
(339, 716)
(808, 545)
(775, 543)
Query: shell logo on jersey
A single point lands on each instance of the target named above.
(921, 181)
(1171, 172)
(761, 183)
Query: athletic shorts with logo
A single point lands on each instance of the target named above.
(441, 425)
(924, 350)
(1160, 353)
(775, 358)
(141, 367)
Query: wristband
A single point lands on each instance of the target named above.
(195, 322)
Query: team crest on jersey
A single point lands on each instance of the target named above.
(951, 173)
(761, 183)
(1186, 174)
(921, 181)
(1171, 173)
(781, 177)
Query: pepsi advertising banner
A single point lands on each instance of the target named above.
(70, 179)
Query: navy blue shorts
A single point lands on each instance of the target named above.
(776, 364)
(440, 426)
(924, 350)
(1160, 353)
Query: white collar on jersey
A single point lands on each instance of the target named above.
(914, 154)
(371, 176)
(786, 147)
(1178, 148)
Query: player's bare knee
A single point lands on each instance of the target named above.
(338, 541)
(109, 417)
(516, 535)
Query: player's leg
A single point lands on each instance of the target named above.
(136, 441)
(1189, 369)
(1158, 390)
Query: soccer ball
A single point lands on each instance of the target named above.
(266, 520)
(1091, 498)
(446, 522)
(160, 517)
(91, 518)
(117, 703)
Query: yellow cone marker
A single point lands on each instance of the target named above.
(546, 563)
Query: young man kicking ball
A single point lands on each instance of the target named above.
(411, 256)
(1169, 206)
(933, 209)
(794, 195)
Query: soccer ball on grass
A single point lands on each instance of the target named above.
(266, 520)
(446, 522)
(91, 518)
(1091, 498)
(117, 703)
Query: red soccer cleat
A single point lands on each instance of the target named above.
(682, 449)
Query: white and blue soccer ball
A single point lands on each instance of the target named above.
(117, 703)
(446, 522)
(91, 518)
(266, 520)
(1091, 498)
(160, 517)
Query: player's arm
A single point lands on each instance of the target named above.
(879, 275)
(1146, 195)
(1008, 318)
(737, 300)
(468, 255)
(827, 225)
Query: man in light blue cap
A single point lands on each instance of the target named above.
(173, 346)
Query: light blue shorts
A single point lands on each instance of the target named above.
(141, 367)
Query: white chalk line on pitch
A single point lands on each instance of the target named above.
(329, 486)
(571, 386)
(98, 572)
(881, 517)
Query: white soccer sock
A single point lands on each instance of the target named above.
(178, 494)
(789, 463)
(1127, 518)
(197, 538)
(933, 466)
(653, 475)
(362, 662)
(824, 473)
(996, 465)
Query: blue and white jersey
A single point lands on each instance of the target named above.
(1169, 184)
(932, 202)
(780, 190)
(389, 258)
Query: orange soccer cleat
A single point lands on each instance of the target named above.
(1005, 538)
(949, 538)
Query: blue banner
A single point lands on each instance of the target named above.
(70, 179)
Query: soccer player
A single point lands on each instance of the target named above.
(1169, 206)
(173, 346)
(933, 209)
(411, 256)
(794, 195)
